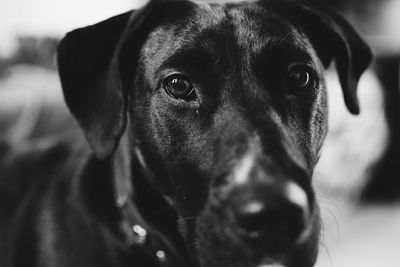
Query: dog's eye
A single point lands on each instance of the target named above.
(299, 78)
(178, 86)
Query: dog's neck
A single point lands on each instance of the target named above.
(148, 222)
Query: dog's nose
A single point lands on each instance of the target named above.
(275, 213)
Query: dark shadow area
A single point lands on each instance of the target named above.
(385, 182)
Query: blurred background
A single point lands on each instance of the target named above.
(358, 177)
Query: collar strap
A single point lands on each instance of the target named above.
(137, 232)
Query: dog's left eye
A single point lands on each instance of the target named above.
(178, 86)
(299, 78)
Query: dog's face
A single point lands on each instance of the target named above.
(228, 103)
(232, 102)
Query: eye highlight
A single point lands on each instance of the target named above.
(299, 78)
(178, 86)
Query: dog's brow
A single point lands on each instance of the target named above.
(191, 58)
(298, 52)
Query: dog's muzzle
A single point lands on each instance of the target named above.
(264, 209)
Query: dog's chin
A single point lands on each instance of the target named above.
(217, 244)
(223, 251)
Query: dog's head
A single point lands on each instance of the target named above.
(227, 104)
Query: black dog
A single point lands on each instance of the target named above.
(206, 121)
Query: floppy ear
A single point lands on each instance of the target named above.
(334, 38)
(91, 84)
(96, 66)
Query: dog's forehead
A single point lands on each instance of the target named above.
(258, 25)
(219, 27)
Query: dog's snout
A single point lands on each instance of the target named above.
(276, 214)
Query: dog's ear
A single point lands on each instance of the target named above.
(90, 82)
(335, 39)
(96, 66)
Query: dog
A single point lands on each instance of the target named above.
(203, 122)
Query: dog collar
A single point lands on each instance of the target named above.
(138, 234)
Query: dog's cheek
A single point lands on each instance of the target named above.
(319, 124)
(307, 125)
(316, 123)
(177, 131)
(171, 126)
(181, 144)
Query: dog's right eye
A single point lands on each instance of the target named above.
(178, 86)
